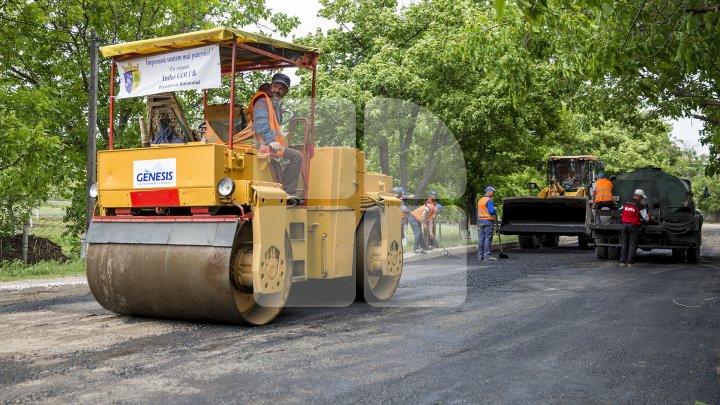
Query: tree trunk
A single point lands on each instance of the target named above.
(431, 163)
(405, 142)
(384, 158)
(25, 237)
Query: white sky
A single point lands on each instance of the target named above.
(685, 130)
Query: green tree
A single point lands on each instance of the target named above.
(663, 53)
(45, 57)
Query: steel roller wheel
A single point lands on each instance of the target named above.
(258, 309)
(189, 282)
(372, 285)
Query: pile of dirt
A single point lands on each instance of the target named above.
(39, 249)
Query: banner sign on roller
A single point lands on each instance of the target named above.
(190, 69)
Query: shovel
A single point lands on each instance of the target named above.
(443, 248)
(502, 254)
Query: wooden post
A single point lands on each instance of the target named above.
(25, 237)
(92, 129)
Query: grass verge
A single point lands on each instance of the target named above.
(50, 269)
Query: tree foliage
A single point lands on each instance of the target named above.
(663, 53)
(44, 70)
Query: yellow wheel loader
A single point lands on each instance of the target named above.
(203, 230)
(562, 207)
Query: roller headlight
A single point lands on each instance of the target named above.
(226, 187)
(93, 190)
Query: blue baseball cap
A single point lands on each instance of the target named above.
(601, 175)
(489, 188)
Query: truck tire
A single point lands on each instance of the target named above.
(550, 241)
(678, 255)
(529, 241)
(601, 252)
(693, 255)
(613, 252)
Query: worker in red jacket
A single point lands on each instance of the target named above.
(634, 215)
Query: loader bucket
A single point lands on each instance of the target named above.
(548, 216)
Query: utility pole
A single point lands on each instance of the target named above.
(92, 128)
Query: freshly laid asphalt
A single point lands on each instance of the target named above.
(544, 326)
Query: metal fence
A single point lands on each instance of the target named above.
(43, 237)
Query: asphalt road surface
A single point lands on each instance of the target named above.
(548, 326)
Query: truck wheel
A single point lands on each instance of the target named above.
(693, 255)
(529, 241)
(613, 252)
(601, 252)
(584, 242)
(678, 255)
(550, 241)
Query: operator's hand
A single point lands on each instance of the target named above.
(275, 145)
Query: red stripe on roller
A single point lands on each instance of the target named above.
(155, 198)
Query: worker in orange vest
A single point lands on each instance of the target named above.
(418, 218)
(602, 193)
(486, 224)
(266, 114)
(428, 231)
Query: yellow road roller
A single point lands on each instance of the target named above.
(202, 229)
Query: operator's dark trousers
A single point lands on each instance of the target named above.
(418, 242)
(290, 170)
(629, 242)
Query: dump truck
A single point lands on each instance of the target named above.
(202, 229)
(562, 207)
(676, 225)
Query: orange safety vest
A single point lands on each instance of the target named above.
(603, 190)
(274, 124)
(483, 213)
(418, 213)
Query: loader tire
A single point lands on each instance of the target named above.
(529, 241)
(550, 241)
(584, 242)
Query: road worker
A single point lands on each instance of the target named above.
(486, 224)
(634, 214)
(266, 114)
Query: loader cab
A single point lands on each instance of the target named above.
(572, 172)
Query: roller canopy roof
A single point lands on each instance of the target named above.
(272, 53)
